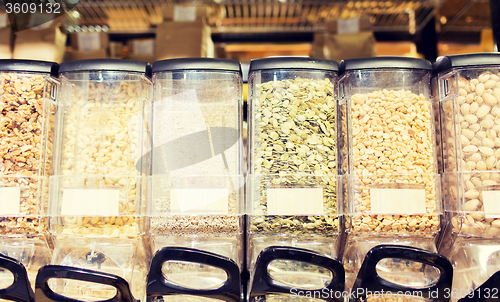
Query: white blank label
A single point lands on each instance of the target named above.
(295, 201)
(397, 201)
(10, 201)
(348, 26)
(89, 41)
(491, 202)
(200, 201)
(90, 202)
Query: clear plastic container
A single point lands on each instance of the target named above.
(391, 173)
(197, 187)
(293, 196)
(28, 92)
(102, 166)
(468, 88)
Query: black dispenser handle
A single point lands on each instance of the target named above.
(43, 293)
(20, 290)
(264, 284)
(489, 291)
(368, 279)
(158, 285)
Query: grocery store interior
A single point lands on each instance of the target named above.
(243, 30)
(250, 150)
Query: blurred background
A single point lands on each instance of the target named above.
(248, 29)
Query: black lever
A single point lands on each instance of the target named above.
(263, 284)
(158, 285)
(20, 290)
(43, 293)
(368, 279)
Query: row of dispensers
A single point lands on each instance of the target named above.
(368, 286)
(110, 165)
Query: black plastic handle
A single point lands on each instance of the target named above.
(43, 293)
(20, 290)
(158, 285)
(264, 284)
(368, 279)
(489, 291)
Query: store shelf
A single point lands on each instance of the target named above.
(259, 16)
(465, 15)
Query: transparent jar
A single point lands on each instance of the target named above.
(28, 92)
(100, 186)
(197, 187)
(469, 93)
(292, 184)
(393, 182)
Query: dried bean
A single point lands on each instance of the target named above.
(392, 145)
(479, 155)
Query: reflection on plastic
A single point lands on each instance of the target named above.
(407, 273)
(82, 290)
(298, 274)
(6, 278)
(194, 275)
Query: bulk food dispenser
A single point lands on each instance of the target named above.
(196, 215)
(28, 92)
(293, 187)
(469, 94)
(393, 185)
(102, 163)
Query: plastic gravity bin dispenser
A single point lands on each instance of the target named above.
(393, 183)
(469, 96)
(293, 187)
(197, 192)
(374, 283)
(100, 186)
(28, 91)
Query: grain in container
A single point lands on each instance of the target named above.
(393, 183)
(102, 166)
(469, 93)
(197, 193)
(28, 91)
(293, 197)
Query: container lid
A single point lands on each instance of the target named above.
(472, 60)
(106, 65)
(29, 66)
(196, 64)
(293, 63)
(384, 63)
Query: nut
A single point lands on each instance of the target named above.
(100, 145)
(26, 144)
(393, 146)
(479, 156)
